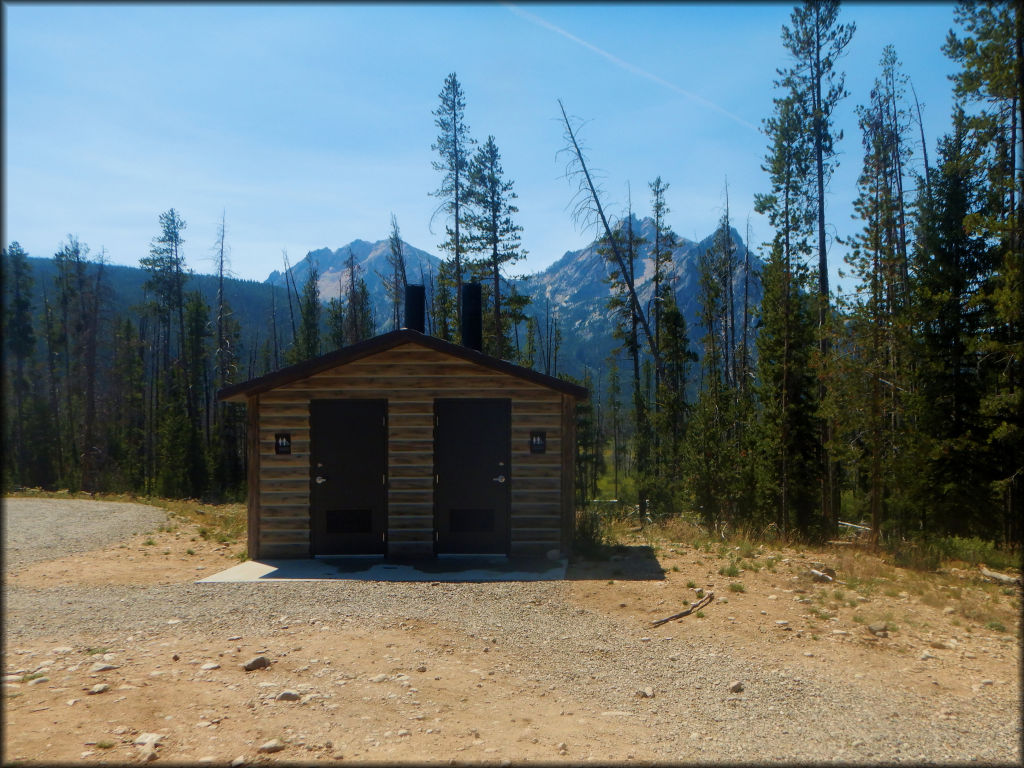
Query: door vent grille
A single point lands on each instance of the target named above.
(349, 520)
(471, 521)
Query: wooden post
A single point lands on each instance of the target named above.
(253, 500)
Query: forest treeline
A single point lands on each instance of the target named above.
(898, 404)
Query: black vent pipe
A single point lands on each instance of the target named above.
(415, 300)
(472, 317)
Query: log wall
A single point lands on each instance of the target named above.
(411, 377)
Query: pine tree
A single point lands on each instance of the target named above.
(453, 146)
(307, 341)
(952, 263)
(19, 343)
(991, 55)
(815, 43)
(166, 265)
(871, 379)
(336, 323)
(788, 432)
(395, 285)
(495, 235)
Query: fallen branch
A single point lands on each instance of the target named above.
(1000, 577)
(695, 607)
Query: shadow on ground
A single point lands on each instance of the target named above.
(440, 569)
(625, 563)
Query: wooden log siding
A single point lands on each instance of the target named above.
(410, 377)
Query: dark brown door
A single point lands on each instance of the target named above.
(348, 477)
(471, 459)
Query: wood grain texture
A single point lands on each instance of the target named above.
(410, 377)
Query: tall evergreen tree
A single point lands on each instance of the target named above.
(815, 42)
(397, 280)
(19, 343)
(453, 147)
(959, 458)
(991, 80)
(307, 341)
(495, 235)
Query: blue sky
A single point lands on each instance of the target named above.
(309, 125)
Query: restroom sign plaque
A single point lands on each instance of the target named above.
(283, 443)
(538, 442)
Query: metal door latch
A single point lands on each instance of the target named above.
(499, 479)
(320, 479)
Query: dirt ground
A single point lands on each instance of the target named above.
(422, 690)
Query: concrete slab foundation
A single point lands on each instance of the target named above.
(451, 568)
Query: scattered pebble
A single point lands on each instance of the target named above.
(267, 747)
(257, 662)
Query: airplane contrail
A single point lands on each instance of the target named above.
(626, 65)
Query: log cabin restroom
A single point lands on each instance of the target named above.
(406, 445)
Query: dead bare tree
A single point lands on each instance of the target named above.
(587, 206)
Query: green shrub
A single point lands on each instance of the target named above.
(591, 531)
(736, 587)
(729, 570)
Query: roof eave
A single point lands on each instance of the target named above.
(241, 392)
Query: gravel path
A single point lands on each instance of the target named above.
(44, 529)
(784, 713)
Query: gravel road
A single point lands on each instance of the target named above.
(784, 713)
(44, 529)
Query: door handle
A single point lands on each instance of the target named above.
(499, 479)
(320, 479)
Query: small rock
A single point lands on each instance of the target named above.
(206, 759)
(986, 682)
(288, 696)
(925, 656)
(643, 693)
(240, 760)
(175, 657)
(210, 665)
(99, 688)
(38, 680)
(949, 609)
(274, 745)
(403, 732)
(99, 666)
(421, 668)
(781, 623)
(148, 753)
(148, 739)
(378, 678)
(72, 702)
(879, 630)
(736, 687)
(257, 662)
